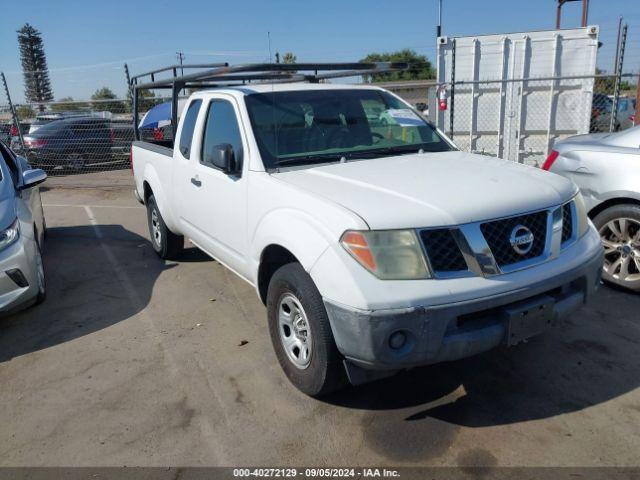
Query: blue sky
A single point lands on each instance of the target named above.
(88, 41)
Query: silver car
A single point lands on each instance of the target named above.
(606, 167)
(22, 229)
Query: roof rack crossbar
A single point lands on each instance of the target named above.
(340, 69)
(175, 68)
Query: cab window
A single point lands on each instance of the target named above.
(188, 127)
(221, 128)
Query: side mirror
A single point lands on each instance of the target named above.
(223, 157)
(33, 177)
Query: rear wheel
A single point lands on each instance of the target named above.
(301, 334)
(619, 228)
(167, 244)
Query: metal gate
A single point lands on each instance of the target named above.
(513, 95)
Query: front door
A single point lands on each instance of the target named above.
(217, 200)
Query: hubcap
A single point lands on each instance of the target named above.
(621, 241)
(295, 332)
(155, 227)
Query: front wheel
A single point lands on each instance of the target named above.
(301, 334)
(166, 244)
(619, 228)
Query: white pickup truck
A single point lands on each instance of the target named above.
(373, 242)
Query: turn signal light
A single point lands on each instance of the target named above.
(357, 245)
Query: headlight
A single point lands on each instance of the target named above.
(10, 235)
(581, 213)
(388, 254)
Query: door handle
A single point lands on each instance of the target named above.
(196, 181)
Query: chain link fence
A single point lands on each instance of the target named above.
(73, 137)
(517, 120)
(521, 119)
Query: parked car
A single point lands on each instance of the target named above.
(374, 243)
(122, 137)
(626, 112)
(46, 118)
(73, 142)
(602, 107)
(606, 167)
(9, 131)
(22, 230)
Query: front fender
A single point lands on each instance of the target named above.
(297, 231)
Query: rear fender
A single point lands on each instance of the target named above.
(151, 177)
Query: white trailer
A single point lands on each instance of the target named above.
(513, 95)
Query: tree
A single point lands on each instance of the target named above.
(100, 104)
(37, 86)
(606, 85)
(419, 66)
(289, 58)
(25, 112)
(146, 100)
(67, 104)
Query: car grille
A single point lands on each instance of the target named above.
(497, 234)
(442, 250)
(567, 222)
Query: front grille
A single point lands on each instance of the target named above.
(567, 222)
(443, 251)
(498, 233)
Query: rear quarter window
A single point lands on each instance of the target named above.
(188, 127)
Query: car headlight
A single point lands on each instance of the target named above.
(9, 235)
(581, 213)
(388, 254)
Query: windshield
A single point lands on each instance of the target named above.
(311, 126)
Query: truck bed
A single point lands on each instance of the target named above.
(164, 147)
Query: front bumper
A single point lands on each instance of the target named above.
(21, 256)
(452, 331)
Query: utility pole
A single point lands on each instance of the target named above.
(439, 26)
(180, 56)
(615, 63)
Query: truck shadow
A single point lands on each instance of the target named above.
(591, 358)
(84, 292)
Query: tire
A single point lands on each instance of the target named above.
(42, 284)
(294, 306)
(166, 244)
(619, 228)
(77, 161)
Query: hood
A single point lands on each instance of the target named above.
(432, 189)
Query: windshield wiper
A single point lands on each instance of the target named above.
(305, 159)
(383, 152)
